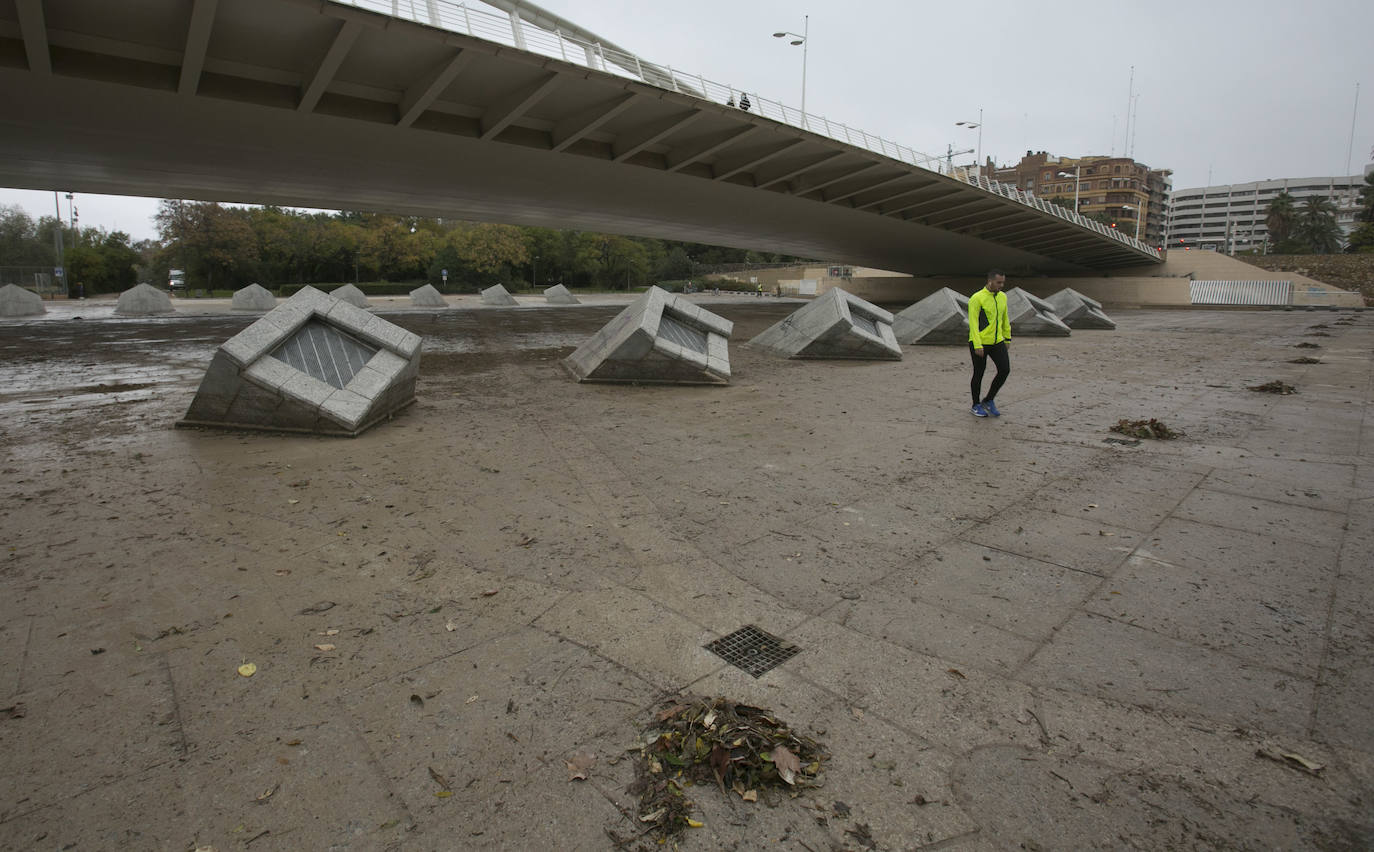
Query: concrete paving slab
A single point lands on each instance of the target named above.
(1112, 659)
(1080, 544)
(1254, 515)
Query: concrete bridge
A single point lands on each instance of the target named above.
(459, 112)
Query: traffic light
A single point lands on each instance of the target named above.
(1113, 224)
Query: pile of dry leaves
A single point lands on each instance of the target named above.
(1151, 428)
(1274, 387)
(699, 741)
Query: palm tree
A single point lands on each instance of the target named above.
(1282, 216)
(1317, 226)
(1366, 213)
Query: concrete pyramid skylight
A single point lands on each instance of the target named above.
(314, 364)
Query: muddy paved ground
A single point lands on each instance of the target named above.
(1012, 632)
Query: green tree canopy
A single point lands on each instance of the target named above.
(1316, 226)
(1281, 217)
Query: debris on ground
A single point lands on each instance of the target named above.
(1305, 360)
(1290, 759)
(1274, 387)
(1307, 345)
(697, 741)
(1151, 428)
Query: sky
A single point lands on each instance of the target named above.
(1226, 91)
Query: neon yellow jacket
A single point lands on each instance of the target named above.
(988, 322)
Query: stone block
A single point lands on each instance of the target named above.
(427, 297)
(498, 296)
(352, 295)
(560, 295)
(835, 325)
(1032, 316)
(15, 301)
(940, 319)
(1078, 311)
(254, 297)
(143, 300)
(657, 338)
(312, 364)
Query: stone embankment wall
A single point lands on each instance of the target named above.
(1347, 271)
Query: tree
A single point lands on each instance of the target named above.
(103, 262)
(1362, 239)
(1316, 226)
(1281, 217)
(1366, 213)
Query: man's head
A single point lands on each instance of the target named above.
(996, 280)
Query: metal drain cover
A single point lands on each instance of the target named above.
(752, 650)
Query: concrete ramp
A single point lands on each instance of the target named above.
(352, 295)
(427, 297)
(1078, 311)
(314, 364)
(1032, 316)
(560, 295)
(939, 319)
(658, 338)
(15, 301)
(835, 325)
(142, 301)
(254, 297)
(498, 296)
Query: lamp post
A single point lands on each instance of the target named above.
(1139, 209)
(536, 272)
(979, 126)
(800, 40)
(1077, 170)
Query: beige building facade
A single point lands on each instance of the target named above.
(1118, 189)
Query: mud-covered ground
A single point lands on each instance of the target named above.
(1013, 633)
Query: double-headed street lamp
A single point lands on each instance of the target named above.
(979, 126)
(800, 40)
(1139, 210)
(1077, 170)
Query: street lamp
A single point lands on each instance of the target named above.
(1076, 183)
(536, 272)
(800, 40)
(979, 125)
(1139, 209)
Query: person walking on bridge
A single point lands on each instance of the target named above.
(989, 336)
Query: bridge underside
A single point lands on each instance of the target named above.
(315, 104)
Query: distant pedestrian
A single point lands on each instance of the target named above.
(989, 336)
(744, 102)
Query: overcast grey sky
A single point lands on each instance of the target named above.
(1239, 91)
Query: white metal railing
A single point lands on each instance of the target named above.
(511, 31)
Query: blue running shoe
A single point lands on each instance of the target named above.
(991, 408)
(977, 410)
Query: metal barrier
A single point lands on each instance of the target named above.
(511, 31)
(1240, 292)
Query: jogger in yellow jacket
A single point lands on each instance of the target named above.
(989, 336)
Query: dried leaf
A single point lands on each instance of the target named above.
(443, 794)
(267, 794)
(651, 817)
(293, 501)
(325, 647)
(579, 765)
(248, 669)
(333, 631)
(750, 795)
(470, 699)
(956, 673)
(691, 823)
(787, 764)
(438, 779)
(450, 626)
(489, 592)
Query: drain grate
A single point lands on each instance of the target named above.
(752, 650)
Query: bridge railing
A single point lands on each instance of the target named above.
(511, 31)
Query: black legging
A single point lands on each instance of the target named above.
(998, 353)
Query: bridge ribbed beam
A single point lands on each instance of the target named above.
(1019, 232)
(809, 188)
(898, 194)
(423, 91)
(577, 126)
(500, 115)
(763, 182)
(197, 40)
(938, 220)
(933, 202)
(637, 140)
(853, 192)
(329, 64)
(35, 34)
(681, 158)
(957, 223)
(723, 172)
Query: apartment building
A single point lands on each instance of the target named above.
(1116, 188)
(1230, 218)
